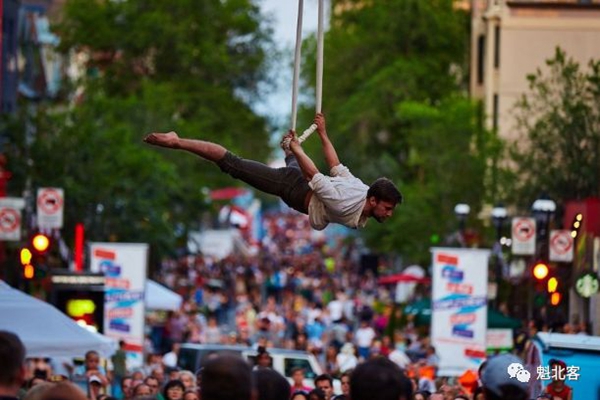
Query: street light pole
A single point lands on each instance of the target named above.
(499, 215)
(462, 211)
(543, 210)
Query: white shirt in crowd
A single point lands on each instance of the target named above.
(364, 336)
(338, 198)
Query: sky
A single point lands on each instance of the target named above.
(277, 106)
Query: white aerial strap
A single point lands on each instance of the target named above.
(319, 81)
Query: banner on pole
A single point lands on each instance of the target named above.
(124, 266)
(459, 312)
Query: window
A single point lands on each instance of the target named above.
(495, 111)
(291, 363)
(480, 58)
(497, 47)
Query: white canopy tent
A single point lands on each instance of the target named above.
(158, 297)
(44, 330)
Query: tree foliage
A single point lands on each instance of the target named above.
(559, 123)
(150, 66)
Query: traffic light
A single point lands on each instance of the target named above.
(540, 271)
(40, 243)
(555, 298)
(26, 258)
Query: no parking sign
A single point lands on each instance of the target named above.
(523, 236)
(561, 246)
(50, 202)
(10, 218)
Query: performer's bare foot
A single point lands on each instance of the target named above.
(285, 142)
(169, 139)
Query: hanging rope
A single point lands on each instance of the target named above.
(319, 83)
(296, 77)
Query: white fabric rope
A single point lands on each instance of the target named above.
(319, 82)
(297, 54)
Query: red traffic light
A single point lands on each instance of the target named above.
(540, 271)
(40, 243)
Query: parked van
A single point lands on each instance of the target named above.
(193, 356)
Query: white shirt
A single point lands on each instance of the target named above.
(364, 336)
(338, 198)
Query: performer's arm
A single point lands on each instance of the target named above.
(331, 156)
(308, 167)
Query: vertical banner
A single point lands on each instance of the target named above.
(459, 312)
(50, 206)
(561, 246)
(124, 266)
(523, 236)
(10, 218)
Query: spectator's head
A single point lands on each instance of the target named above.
(325, 383)
(92, 360)
(297, 376)
(64, 391)
(558, 369)
(299, 395)
(36, 392)
(226, 377)
(382, 198)
(345, 382)
(142, 389)
(153, 384)
(421, 395)
(12, 367)
(191, 395)
(380, 376)
(174, 390)
(271, 385)
(126, 386)
(317, 394)
(263, 358)
(188, 378)
(499, 383)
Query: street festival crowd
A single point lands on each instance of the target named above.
(298, 292)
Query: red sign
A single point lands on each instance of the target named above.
(561, 242)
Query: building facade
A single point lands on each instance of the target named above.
(511, 39)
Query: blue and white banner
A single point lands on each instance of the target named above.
(459, 308)
(124, 266)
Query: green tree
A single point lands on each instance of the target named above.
(184, 65)
(558, 122)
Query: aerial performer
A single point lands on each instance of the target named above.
(336, 198)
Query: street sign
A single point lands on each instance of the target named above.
(523, 236)
(561, 246)
(10, 218)
(50, 202)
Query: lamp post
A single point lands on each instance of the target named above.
(542, 210)
(462, 211)
(499, 215)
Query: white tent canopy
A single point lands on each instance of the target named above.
(44, 330)
(159, 297)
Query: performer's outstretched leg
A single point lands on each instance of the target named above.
(286, 183)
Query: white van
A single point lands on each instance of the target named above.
(193, 356)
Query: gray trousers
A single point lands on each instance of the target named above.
(288, 183)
